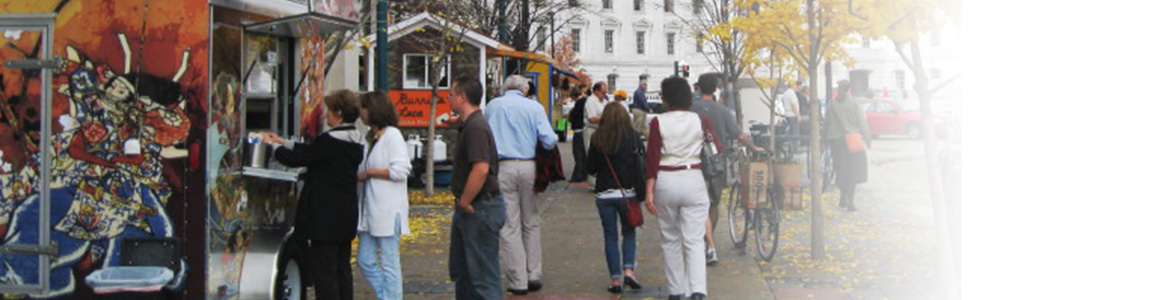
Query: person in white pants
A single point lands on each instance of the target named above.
(676, 191)
(518, 125)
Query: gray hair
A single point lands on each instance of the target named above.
(516, 83)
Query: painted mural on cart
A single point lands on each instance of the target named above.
(125, 101)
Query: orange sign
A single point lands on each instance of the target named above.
(414, 106)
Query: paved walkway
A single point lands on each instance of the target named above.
(883, 251)
(574, 261)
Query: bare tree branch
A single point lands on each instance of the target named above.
(902, 54)
(940, 86)
(854, 13)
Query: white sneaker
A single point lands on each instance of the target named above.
(712, 259)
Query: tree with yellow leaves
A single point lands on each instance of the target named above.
(804, 34)
(904, 22)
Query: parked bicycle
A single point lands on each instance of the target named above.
(753, 206)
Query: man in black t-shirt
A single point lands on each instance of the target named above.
(474, 260)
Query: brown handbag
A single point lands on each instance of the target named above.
(854, 142)
(633, 208)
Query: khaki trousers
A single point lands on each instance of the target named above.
(520, 253)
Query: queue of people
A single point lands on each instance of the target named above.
(495, 228)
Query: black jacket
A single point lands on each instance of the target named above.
(627, 163)
(327, 209)
(577, 114)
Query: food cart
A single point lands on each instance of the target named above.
(124, 120)
(544, 72)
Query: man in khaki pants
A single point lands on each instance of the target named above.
(518, 123)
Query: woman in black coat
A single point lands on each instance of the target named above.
(844, 116)
(617, 144)
(327, 208)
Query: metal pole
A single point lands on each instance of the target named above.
(525, 23)
(552, 32)
(502, 21)
(828, 81)
(382, 48)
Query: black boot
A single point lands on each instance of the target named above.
(674, 297)
(849, 200)
(698, 296)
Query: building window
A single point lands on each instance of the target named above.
(935, 38)
(697, 6)
(637, 5)
(668, 5)
(609, 41)
(541, 37)
(935, 73)
(611, 81)
(900, 79)
(670, 43)
(865, 43)
(641, 42)
(607, 4)
(416, 74)
(576, 34)
(574, 3)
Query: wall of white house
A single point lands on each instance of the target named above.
(593, 21)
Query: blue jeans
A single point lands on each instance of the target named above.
(474, 261)
(614, 211)
(385, 278)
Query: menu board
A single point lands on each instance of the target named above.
(413, 107)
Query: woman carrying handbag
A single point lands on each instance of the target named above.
(848, 134)
(614, 157)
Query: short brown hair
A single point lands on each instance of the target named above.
(676, 92)
(380, 108)
(345, 102)
(470, 87)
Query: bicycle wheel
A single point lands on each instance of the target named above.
(768, 224)
(737, 217)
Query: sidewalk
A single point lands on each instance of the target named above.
(885, 250)
(574, 261)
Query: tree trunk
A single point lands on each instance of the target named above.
(941, 219)
(430, 176)
(814, 57)
(818, 221)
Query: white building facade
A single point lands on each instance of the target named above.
(888, 74)
(619, 41)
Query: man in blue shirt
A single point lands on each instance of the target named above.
(518, 123)
(640, 97)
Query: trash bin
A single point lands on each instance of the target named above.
(124, 282)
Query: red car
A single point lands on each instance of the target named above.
(898, 117)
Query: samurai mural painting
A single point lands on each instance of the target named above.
(126, 98)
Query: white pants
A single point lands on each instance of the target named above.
(681, 198)
(589, 130)
(520, 254)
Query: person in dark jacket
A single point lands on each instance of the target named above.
(843, 117)
(577, 122)
(615, 151)
(327, 212)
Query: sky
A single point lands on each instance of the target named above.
(1066, 165)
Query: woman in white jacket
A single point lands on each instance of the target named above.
(383, 209)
